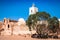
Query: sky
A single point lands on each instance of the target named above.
(15, 9)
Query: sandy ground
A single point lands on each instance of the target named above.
(21, 38)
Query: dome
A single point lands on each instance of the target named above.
(21, 21)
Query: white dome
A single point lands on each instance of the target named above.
(21, 21)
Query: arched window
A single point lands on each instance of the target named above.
(8, 26)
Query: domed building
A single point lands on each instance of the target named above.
(12, 27)
(21, 21)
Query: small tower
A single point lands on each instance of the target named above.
(33, 9)
(6, 21)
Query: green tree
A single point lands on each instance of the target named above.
(43, 15)
(32, 19)
(53, 24)
(41, 29)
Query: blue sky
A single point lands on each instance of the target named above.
(15, 9)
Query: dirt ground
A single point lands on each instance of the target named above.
(14, 37)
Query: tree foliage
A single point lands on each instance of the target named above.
(32, 19)
(53, 22)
